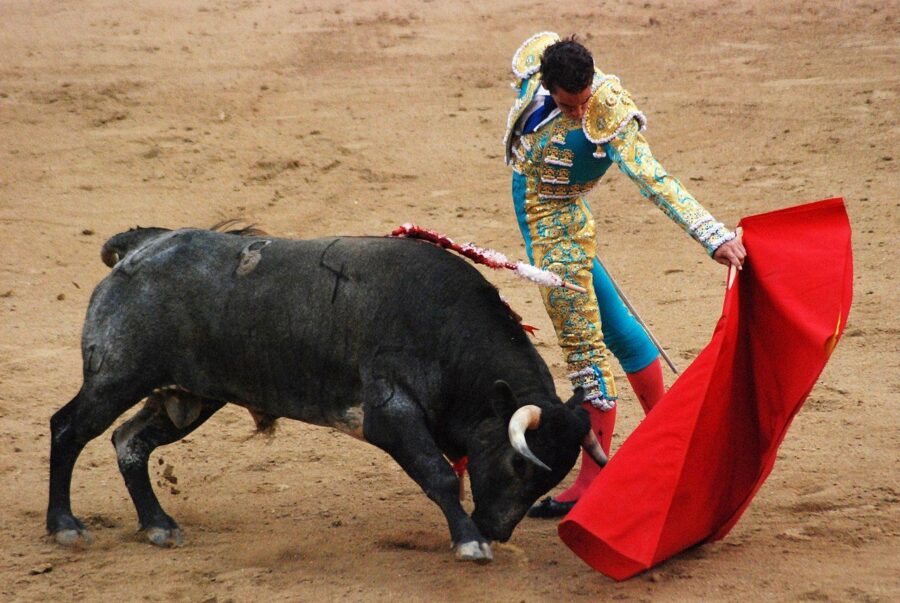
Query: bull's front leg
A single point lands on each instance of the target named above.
(398, 427)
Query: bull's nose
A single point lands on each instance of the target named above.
(496, 534)
(494, 529)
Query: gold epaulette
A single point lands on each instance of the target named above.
(609, 110)
(527, 60)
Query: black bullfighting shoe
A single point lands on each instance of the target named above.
(549, 508)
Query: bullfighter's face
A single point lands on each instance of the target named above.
(572, 105)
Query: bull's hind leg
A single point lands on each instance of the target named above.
(135, 440)
(85, 417)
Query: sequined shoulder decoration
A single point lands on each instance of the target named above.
(609, 110)
(527, 60)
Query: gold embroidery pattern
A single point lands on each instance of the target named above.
(555, 182)
(557, 156)
(632, 153)
(561, 128)
(548, 190)
(563, 242)
(609, 110)
(521, 150)
(551, 175)
(527, 59)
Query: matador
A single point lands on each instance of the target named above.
(571, 122)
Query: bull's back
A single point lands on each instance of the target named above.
(280, 323)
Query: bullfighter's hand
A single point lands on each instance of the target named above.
(731, 253)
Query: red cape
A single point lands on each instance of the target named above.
(689, 470)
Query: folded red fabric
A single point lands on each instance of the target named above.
(689, 470)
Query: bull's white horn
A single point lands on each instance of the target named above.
(527, 417)
(592, 446)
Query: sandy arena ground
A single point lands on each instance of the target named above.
(350, 117)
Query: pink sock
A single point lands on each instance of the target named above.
(602, 423)
(648, 385)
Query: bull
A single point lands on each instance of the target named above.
(393, 341)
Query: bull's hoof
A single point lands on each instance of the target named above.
(67, 530)
(479, 552)
(165, 537)
(73, 537)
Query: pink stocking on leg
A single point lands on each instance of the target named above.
(602, 423)
(647, 384)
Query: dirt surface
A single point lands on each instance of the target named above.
(339, 117)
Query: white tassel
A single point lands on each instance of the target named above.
(544, 277)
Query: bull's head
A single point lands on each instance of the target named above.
(521, 453)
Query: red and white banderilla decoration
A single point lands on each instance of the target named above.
(488, 257)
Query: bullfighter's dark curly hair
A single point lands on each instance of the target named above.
(567, 65)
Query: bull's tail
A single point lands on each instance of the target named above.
(120, 245)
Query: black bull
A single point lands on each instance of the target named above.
(392, 340)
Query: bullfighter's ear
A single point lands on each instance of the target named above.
(503, 400)
(577, 398)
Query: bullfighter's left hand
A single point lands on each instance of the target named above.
(731, 253)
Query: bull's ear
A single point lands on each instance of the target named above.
(577, 398)
(503, 400)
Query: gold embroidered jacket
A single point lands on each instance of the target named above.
(564, 159)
